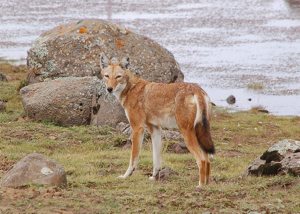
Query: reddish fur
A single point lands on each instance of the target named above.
(148, 103)
(203, 172)
(208, 172)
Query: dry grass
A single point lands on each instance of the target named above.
(92, 163)
(256, 86)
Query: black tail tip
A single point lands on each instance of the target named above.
(211, 150)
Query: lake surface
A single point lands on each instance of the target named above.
(227, 46)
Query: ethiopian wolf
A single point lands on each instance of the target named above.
(154, 106)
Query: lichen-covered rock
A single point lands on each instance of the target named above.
(279, 150)
(281, 158)
(71, 101)
(291, 164)
(35, 169)
(73, 50)
(256, 167)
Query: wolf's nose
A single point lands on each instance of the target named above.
(110, 89)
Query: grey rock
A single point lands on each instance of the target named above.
(171, 135)
(231, 100)
(256, 167)
(260, 167)
(281, 158)
(263, 110)
(35, 169)
(123, 128)
(165, 174)
(69, 101)
(278, 151)
(178, 148)
(284, 146)
(291, 164)
(73, 49)
(127, 144)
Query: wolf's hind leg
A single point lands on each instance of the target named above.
(156, 151)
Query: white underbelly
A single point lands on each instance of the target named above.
(166, 122)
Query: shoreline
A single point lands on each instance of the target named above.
(246, 99)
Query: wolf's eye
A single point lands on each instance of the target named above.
(106, 76)
(118, 77)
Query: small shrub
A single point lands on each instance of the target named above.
(256, 86)
(22, 84)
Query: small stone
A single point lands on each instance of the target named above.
(263, 110)
(171, 135)
(57, 194)
(35, 169)
(165, 174)
(127, 145)
(213, 104)
(2, 106)
(51, 137)
(178, 148)
(231, 100)
(3, 77)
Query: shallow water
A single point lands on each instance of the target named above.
(224, 45)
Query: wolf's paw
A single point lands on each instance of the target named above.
(152, 178)
(122, 176)
(198, 188)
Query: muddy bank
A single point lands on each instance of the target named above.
(226, 46)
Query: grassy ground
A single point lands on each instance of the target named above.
(93, 162)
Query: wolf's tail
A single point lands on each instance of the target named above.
(202, 128)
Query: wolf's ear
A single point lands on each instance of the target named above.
(124, 63)
(103, 61)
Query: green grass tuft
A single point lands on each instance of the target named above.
(92, 163)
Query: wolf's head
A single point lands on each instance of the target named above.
(114, 73)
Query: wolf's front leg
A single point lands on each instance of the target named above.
(156, 151)
(137, 137)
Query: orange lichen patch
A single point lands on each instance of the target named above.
(119, 43)
(83, 30)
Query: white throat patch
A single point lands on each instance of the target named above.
(118, 91)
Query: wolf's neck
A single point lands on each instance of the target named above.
(132, 83)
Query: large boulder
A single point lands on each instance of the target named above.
(281, 158)
(73, 50)
(71, 101)
(35, 169)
